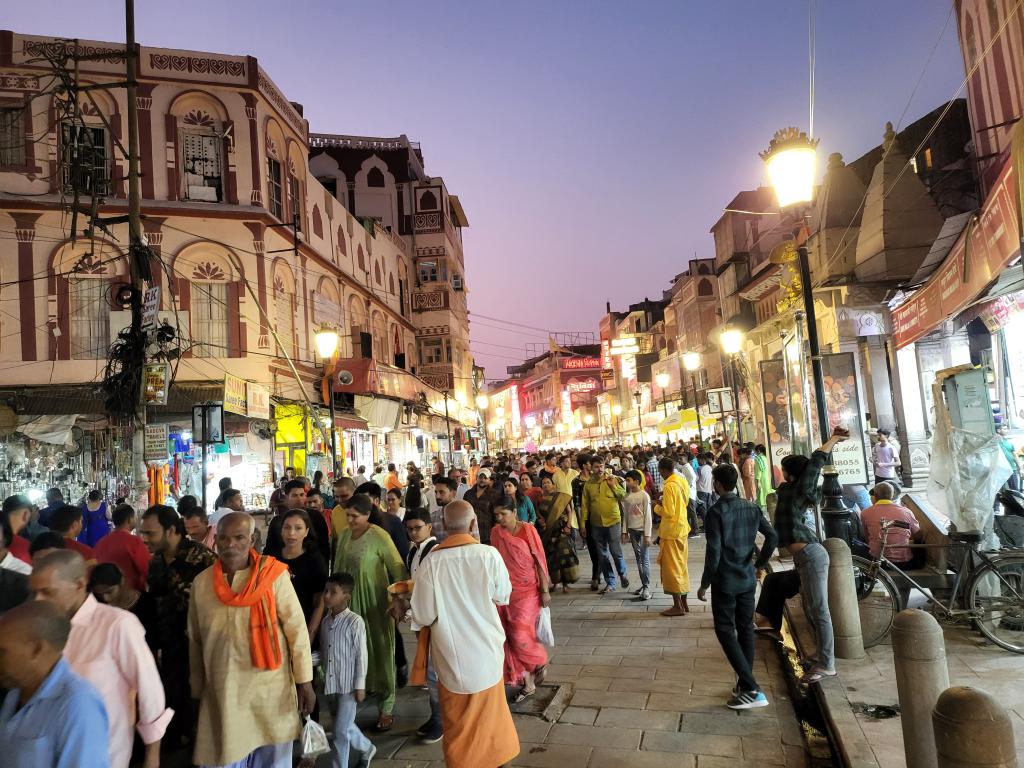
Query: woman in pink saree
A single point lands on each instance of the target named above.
(520, 547)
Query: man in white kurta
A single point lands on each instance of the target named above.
(455, 596)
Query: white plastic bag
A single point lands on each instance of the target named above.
(314, 739)
(544, 633)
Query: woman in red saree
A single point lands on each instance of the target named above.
(520, 547)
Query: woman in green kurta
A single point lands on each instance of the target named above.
(368, 554)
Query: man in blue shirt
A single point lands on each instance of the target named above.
(50, 718)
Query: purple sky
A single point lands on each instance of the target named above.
(593, 144)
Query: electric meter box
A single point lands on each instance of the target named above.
(968, 400)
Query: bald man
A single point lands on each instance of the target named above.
(458, 589)
(247, 675)
(107, 646)
(50, 718)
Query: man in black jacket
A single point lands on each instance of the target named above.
(731, 527)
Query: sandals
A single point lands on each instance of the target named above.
(523, 695)
(385, 723)
(540, 674)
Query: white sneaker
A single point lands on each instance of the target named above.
(645, 593)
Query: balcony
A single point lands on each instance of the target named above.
(429, 301)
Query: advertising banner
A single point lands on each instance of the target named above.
(154, 445)
(778, 428)
(257, 401)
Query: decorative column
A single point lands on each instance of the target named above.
(879, 387)
(144, 100)
(256, 195)
(257, 229)
(25, 234)
(910, 412)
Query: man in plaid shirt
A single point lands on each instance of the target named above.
(652, 470)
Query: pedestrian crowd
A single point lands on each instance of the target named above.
(184, 629)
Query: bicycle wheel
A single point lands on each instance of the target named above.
(877, 598)
(996, 596)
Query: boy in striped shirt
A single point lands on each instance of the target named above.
(343, 657)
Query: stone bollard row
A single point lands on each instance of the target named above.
(842, 601)
(919, 651)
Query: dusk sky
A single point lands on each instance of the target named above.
(593, 144)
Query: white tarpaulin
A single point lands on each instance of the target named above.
(967, 471)
(48, 429)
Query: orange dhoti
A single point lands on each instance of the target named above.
(478, 728)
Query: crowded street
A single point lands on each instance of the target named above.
(565, 384)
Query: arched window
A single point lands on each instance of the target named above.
(374, 178)
(380, 338)
(704, 288)
(90, 316)
(391, 284)
(275, 169)
(428, 201)
(993, 17)
(342, 243)
(318, 225)
(376, 273)
(703, 269)
(360, 258)
(208, 312)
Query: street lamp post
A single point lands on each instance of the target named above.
(500, 413)
(691, 361)
(732, 344)
(481, 407)
(790, 160)
(589, 420)
(326, 339)
(639, 423)
(616, 412)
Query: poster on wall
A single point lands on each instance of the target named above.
(787, 387)
(843, 402)
(778, 424)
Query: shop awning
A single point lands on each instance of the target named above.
(684, 419)
(378, 412)
(350, 421)
(988, 243)
(87, 399)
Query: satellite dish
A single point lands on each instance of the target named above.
(345, 378)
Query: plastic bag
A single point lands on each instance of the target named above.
(314, 739)
(544, 633)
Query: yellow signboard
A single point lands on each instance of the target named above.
(234, 394)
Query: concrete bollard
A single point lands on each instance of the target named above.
(972, 730)
(842, 601)
(919, 650)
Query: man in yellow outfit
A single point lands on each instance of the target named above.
(673, 533)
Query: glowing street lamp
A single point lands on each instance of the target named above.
(790, 161)
(791, 158)
(691, 361)
(481, 402)
(662, 380)
(588, 419)
(732, 341)
(326, 340)
(616, 410)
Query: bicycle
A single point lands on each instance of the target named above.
(986, 590)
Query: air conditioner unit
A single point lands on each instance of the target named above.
(457, 282)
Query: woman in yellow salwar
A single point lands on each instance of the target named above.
(672, 535)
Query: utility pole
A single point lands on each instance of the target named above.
(138, 251)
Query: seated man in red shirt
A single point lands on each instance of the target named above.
(124, 549)
(884, 508)
(67, 521)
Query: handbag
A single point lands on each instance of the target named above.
(544, 633)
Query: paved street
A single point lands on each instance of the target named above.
(648, 691)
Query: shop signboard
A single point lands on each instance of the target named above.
(580, 363)
(154, 443)
(582, 390)
(720, 401)
(988, 243)
(150, 306)
(214, 432)
(257, 401)
(156, 379)
(234, 395)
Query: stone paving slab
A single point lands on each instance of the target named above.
(647, 692)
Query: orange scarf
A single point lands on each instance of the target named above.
(418, 675)
(258, 596)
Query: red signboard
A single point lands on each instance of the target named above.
(581, 363)
(990, 241)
